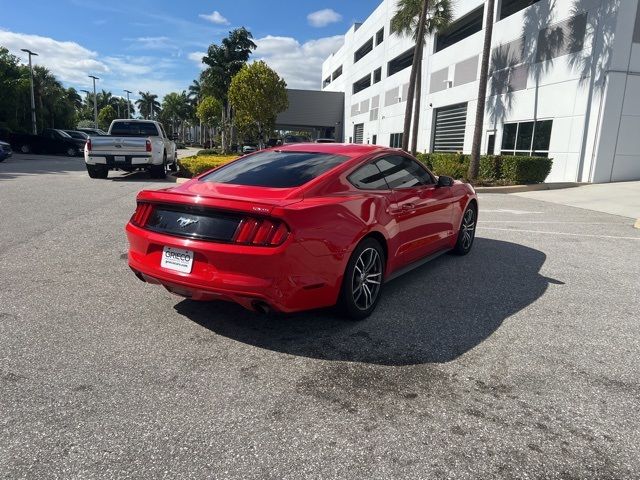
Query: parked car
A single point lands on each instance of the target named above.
(301, 227)
(5, 151)
(289, 139)
(249, 149)
(51, 140)
(325, 140)
(77, 134)
(131, 145)
(93, 131)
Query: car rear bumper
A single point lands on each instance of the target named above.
(130, 161)
(285, 278)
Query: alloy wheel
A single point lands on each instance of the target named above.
(468, 228)
(367, 278)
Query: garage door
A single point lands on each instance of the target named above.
(450, 128)
(358, 133)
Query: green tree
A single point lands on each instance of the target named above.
(474, 164)
(417, 19)
(107, 115)
(177, 109)
(258, 94)
(223, 62)
(209, 112)
(148, 105)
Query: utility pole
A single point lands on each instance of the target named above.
(33, 98)
(128, 105)
(95, 101)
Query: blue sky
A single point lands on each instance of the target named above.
(156, 45)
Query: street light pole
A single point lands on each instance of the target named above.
(95, 101)
(33, 98)
(128, 104)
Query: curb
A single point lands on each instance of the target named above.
(637, 224)
(527, 188)
(180, 180)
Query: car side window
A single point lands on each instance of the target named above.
(403, 172)
(368, 177)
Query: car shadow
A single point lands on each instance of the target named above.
(433, 314)
(21, 164)
(139, 176)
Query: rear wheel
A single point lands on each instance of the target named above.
(362, 282)
(467, 232)
(25, 148)
(159, 171)
(97, 171)
(174, 166)
(72, 152)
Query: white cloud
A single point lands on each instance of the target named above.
(151, 43)
(196, 57)
(324, 17)
(68, 61)
(299, 64)
(215, 17)
(71, 63)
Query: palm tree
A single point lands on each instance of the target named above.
(474, 165)
(195, 94)
(418, 18)
(148, 104)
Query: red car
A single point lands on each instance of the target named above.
(300, 227)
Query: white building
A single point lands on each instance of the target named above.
(565, 82)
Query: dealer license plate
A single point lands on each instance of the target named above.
(177, 259)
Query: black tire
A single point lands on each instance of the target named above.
(360, 292)
(467, 231)
(159, 171)
(97, 171)
(174, 166)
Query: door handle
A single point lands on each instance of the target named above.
(408, 206)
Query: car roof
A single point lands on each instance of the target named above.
(348, 149)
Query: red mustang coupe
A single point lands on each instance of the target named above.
(300, 227)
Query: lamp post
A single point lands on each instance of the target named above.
(88, 95)
(128, 104)
(33, 98)
(95, 101)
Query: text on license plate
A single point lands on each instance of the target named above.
(177, 259)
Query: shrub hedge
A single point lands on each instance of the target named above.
(493, 168)
(194, 166)
(207, 151)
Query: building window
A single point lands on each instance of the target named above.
(460, 29)
(509, 7)
(379, 36)
(374, 139)
(326, 82)
(395, 140)
(364, 82)
(363, 50)
(527, 138)
(373, 114)
(337, 73)
(358, 133)
(402, 61)
(449, 128)
(377, 75)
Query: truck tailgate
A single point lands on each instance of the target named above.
(118, 145)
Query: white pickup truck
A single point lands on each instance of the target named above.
(131, 145)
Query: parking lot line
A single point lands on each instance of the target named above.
(556, 233)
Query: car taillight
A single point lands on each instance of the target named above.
(256, 231)
(148, 145)
(141, 215)
(89, 145)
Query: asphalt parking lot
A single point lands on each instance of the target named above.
(520, 360)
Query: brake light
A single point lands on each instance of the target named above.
(141, 215)
(266, 232)
(89, 144)
(148, 145)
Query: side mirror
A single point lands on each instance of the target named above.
(444, 181)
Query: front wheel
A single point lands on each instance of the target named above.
(362, 282)
(467, 232)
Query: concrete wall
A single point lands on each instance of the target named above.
(315, 109)
(591, 93)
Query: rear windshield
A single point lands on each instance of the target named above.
(275, 169)
(134, 129)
